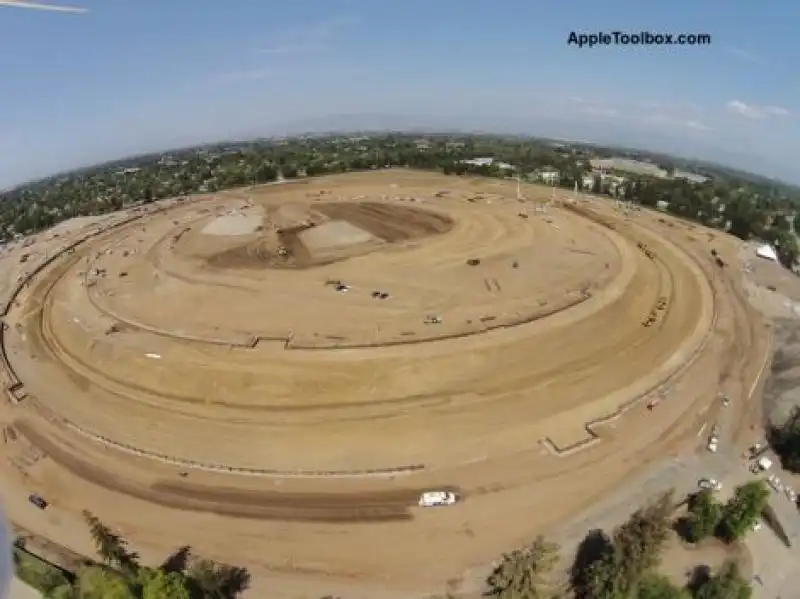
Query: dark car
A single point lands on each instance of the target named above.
(38, 501)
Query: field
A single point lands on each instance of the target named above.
(272, 375)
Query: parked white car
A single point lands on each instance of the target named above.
(711, 484)
(713, 444)
(775, 483)
(791, 494)
(437, 498)
(757, 525)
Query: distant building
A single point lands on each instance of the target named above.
(629, 166)
(479, 161)
(549, 175)
(489, 162)
(690, 177)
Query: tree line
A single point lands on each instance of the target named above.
(745, 205)
(785, 440)
(624, 564)
(120, 575)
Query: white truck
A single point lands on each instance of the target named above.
(709, 484)
(762, 464)
(437, 498)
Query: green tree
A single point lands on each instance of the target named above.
(655, 586)
(640, 541)
(520, 574)
(102, 583)
(785, 439)
(66, 591)
(705, 513)
(728, 583)
(787, 249)
(634, 551)
(38, 573)
(110, 546)
(217, 581)
(157, 584)
(743, 510)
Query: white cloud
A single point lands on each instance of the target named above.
(311, 38)
(41, 6)
(664, 114)
(756, 112)
(743, 55)
(679, 121)
(777, 111)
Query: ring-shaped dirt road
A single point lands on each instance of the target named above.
(241, 341)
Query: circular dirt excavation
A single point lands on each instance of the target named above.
(399, 323)
(397, 319)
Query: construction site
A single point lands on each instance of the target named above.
(273, 375)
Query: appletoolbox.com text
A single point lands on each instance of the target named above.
(641, 38)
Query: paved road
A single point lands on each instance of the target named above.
(772, 561)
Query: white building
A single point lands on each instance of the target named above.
(489, 162)
(549, 175)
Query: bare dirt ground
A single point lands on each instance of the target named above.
(680, 560)
(144, 355)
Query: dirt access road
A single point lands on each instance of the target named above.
(212, 340)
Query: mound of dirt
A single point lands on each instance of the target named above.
(233, 225)
(333, 236)
(389, 222)
(350, 229)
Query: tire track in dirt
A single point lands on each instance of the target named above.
(378, 506)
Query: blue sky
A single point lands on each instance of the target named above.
(142, 75)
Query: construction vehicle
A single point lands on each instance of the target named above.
(38, 501)
(433, 319)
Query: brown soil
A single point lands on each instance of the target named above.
(392, 223)
(192, 375)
